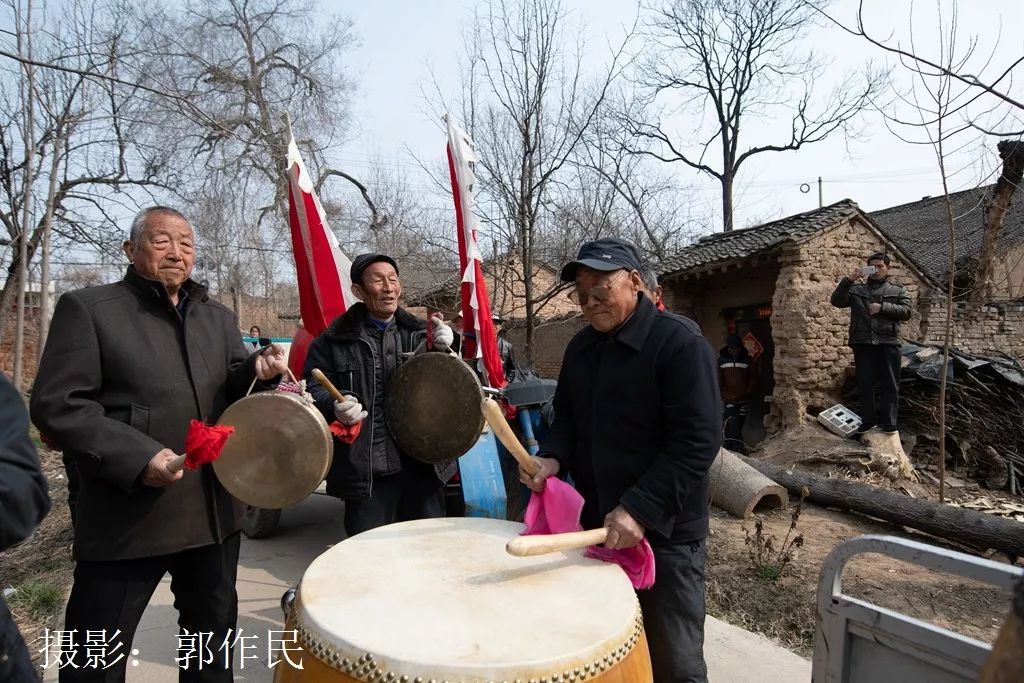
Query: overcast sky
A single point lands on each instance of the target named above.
(401, 40)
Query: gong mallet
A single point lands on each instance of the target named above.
(329, 386)
(498, 424)
(525, 546)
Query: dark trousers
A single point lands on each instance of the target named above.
(517, 495)
(113, 595)
(414, 493)
(673, 611)
(733, 418)
(878, 366)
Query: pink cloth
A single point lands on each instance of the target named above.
(637, 562)
(557, 509)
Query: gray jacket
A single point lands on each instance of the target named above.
(874, 330)
(359, 360)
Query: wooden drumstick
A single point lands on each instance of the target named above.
(496, 420)
(331, 389)
(177, 464)
(527, 546)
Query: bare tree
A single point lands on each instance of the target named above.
(984, 104)
(242, 64)
(527, 103)
(736, 60)
(985, 91)
(643, 202)
(932, 114)
(85, 143)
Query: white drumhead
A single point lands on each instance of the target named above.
(441, 599)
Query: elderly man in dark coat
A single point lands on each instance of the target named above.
(358, 352)
(637, 426)
(23, 504)
(126, 368)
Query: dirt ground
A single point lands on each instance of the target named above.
(783, 610)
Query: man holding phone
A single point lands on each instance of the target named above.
(877, 307)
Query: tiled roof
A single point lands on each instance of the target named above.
(760, 239)
(921, 230)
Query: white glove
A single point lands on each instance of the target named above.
(443, 335)
(349, 412)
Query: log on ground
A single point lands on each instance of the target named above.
(974, 529)
(739, 489)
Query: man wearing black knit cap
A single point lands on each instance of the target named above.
(637, 426)
(358, 352)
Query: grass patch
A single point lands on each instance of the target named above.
(39, 598)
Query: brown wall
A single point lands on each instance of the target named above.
(1008, 274)
(989, 331)
(811, 352)
(550, 340)
(31, 347)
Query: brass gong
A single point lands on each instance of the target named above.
(280, 451)
(433, 407)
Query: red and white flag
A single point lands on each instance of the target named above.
(321, 267)
(476, 307)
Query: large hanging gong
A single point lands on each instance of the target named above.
(433, 407)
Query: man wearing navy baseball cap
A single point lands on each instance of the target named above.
(637, 426)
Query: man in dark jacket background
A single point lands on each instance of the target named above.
(876, 309)
(736, 377)
(637, 425)
(358, 353)
(126, 367)
(23, 504)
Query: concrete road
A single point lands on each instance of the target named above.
(269, 567)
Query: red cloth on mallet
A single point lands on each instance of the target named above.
(557, 510)
(346, 433)
(204, 442)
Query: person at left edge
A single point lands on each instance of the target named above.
(23, 504)
(125, 369)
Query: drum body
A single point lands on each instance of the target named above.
(441, 601)
(279, 453)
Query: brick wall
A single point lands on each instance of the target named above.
(811, 352)
(30, 349)
(550, 340)
(993, 329)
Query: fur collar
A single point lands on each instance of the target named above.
(349, 325)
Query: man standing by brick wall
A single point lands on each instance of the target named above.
(876, 309)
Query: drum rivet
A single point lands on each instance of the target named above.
(390, 676)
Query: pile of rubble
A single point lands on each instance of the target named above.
(984, 417)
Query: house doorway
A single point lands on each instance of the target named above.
(754, 326)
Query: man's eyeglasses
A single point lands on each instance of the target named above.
(599, 292)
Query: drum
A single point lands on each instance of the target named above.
(441, 601)
(280, 451)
